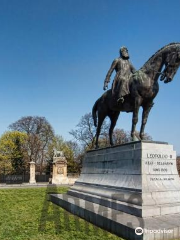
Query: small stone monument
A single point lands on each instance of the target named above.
(59, 168)
(32, 173)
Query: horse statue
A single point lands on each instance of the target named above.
(143, 86)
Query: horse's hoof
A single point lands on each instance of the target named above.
(142, 137)
(135, 139)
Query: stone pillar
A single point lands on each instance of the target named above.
(60, 170)
(32, 173)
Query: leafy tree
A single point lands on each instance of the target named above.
(13, 154)
(78, 155)
(40, 135)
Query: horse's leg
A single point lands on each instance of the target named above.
(138, 101)
(113, 117)
(101, 117)
(146, 110)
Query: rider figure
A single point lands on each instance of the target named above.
(124, 69)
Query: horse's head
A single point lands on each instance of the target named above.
(172, 64)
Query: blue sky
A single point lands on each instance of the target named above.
(54, 56)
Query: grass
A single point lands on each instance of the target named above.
(26, 214)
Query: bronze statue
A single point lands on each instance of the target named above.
(143, 88)
(124, 69)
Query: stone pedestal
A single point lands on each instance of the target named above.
(59, 171)
(132, 190)
(32, 173)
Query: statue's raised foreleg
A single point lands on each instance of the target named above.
(113, 117)
(146, 109)
(137, 104)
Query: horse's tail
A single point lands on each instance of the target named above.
(94, 110)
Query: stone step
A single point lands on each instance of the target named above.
(121, 223)
(145, 211)
(108, 202)
(118, 194)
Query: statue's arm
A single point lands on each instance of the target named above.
(133, 70)
(107, 79)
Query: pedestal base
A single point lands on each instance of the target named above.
(60, 180)
(126, 187)
(32, 182)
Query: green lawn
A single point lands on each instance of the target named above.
(26, 213)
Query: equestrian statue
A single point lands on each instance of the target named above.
(133, 89)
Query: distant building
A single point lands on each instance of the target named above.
(178, 164)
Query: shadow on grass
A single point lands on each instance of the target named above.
(48, 215)
(62, 219)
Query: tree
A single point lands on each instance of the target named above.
(78, 155)
(13, 154)
(40, 134)
(85, 132)
(120, 136)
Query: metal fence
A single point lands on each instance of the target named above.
(42, 178)
(21, 178)
(14, 179)
(25, 177)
